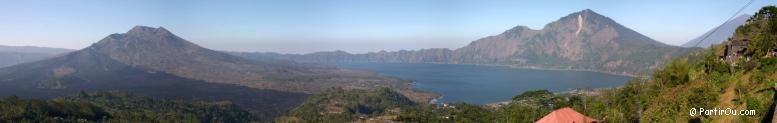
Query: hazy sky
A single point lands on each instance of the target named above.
(302, 26)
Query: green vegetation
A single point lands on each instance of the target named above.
(116, 107)
(60, 82)
(527, 107)
(339, 105)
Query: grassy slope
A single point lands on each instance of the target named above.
(700, 80)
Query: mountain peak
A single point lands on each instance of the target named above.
(578, 23)
(145, 30)
(517, 29)
(585, 17)
(141, 28)
(143, 39)
(586, 12)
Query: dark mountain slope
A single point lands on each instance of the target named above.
(160, 50)
(89, 70)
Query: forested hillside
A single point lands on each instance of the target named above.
(117, 106)
(337, 105)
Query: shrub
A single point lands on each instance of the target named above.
(676, 73)
(768, 65)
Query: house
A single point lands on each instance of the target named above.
(566, 115)
(734, 50)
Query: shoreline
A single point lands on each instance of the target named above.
(579, 91)
(559, 69)
(523, 67)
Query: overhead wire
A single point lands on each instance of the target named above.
(724, 23)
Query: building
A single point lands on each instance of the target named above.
(734, 50)
(566, 115)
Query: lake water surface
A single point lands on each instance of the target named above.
(488, 84)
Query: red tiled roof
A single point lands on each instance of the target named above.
(565, 115)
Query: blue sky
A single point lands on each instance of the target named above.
(302, 26)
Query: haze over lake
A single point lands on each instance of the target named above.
(488, 84)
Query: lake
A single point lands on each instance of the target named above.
(488, 84)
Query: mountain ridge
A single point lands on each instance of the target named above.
(723, 32)
(34, 49)
(583, 40)
(12, 55)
